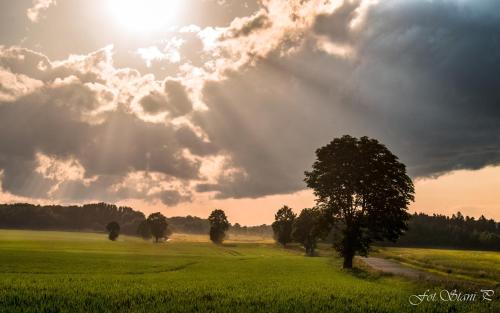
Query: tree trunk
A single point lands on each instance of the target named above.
(348, 260)
(311, 251)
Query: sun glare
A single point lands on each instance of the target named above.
(144, 15)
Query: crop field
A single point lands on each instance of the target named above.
(85, 272)
(479, 266)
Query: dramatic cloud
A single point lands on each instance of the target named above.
(271, 133)
(173, 197)
(174, 100)
(77, 133)
(337, 26)
(93, 67)
(13, 85)
(169, 53)
(422, 80)
(237, 108)
(427, 68)
(278, 26)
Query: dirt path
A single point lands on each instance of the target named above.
(393, 267)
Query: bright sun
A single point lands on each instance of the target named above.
(144, 15)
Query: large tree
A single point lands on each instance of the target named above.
(218, 226)
(364, 190)
(158, 226)
(282, 226)
(307, 229)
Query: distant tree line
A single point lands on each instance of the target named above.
(189, 224)
(264, 231)
(98, 216)
(456, 231)
(201, 226)
(89, 217)
(433, 231)
(424, 230)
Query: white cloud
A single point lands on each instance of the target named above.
(170, 52)
(151, 54)
(34, 13)
(13, 85)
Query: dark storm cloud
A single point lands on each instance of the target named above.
(336, 25)
(99, 189)
(179, 103)
(173, 100)
(45, 120)
(50, 121)
(271, 132)
(32, 125)
(424, 81)
(19, 176)
(194, 143)
(173, 197)
(438, 91)
(126, 143)
(155, 102)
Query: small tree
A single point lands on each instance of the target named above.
(113, 229)
(218, 226)
(364, 190)
(307, 229)
(283, 224)
(158, 226)
(144, 230)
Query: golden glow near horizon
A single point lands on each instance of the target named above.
(144, 16)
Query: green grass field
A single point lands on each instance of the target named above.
(479, 266)
(85, 272)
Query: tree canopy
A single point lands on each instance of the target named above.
(283, 224)
(218, 226)
(158, 226)
(364, 190)
(113, 229)
(307, 229)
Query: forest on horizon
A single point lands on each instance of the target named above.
(424, 230)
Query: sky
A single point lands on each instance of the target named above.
(186, 106)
